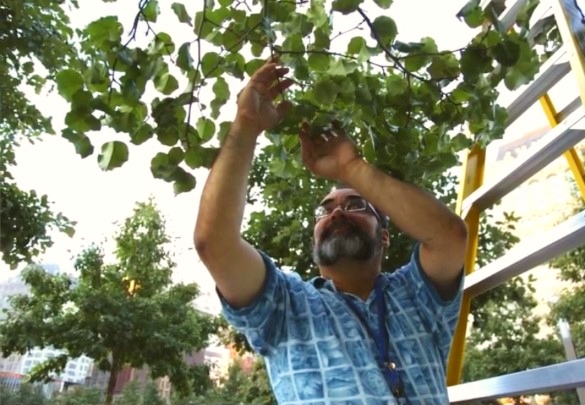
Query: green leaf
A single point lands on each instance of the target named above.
(114, 154)
(444, 66)
(232, 41)
(346, 6)
(206, 128)
(293, 43)
(326, 91)
(200, 157)
(342, 67)
(468, 8)
(396, 85)
(507, 53)
(319, 62)
(475, 61)
(176, 155)
(318, 15)
(163, 42)
(322, 40)
(104, 30)
(515, 79)
(221, 89)
(184, 60)
(166, 83)
(181, 13)
(253, 65)
(161, 168)
(183, 182)
(69, 81)
(151, 11)
(168, 135)
(81, 142)
(356, 45)
(384, 3)
(474, 18)
(460, 142)
(142, 134)
(82, 121)
(408, 47)
(210, 63)
(413, 63)
(385, 29)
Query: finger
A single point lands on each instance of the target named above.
(275, 58)
(283, 108)
(305, 129)
(280, 86)
(306, 146)
(266, 73)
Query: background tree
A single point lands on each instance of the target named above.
(505, 331)
(240, 386)
(126, 312)
(151, 396)
(35, 37)
(570, 304)
(78, 395)
(25, 394)
(131, 394)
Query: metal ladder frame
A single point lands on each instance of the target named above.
(474, 197)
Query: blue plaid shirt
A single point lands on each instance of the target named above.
(317, 352)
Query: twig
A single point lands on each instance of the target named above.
(340, 33)
(194, 81)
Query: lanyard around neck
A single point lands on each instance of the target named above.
(381, 339)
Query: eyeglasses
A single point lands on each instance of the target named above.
(355, 204)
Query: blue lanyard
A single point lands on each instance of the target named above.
(381, 340)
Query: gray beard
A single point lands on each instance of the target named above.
(356, 246)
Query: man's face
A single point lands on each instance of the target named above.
(347, 229)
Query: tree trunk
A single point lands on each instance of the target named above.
(112, 380)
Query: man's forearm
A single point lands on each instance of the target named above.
(224, 196)
(412, 210)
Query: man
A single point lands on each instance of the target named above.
(354, 335)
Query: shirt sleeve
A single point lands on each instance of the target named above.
(439, 315)
(263, 322)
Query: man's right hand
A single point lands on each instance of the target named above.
(257, 111)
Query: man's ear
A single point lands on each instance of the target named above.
(385, 238)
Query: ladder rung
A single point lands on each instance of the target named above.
(557, 377)
(552, 70)
(553, 145)
(569, 109)
(527, 255)
(510, 15)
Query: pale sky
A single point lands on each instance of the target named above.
(96, 199)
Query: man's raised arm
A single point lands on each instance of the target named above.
(237, 267)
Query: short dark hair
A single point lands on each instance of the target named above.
(384, 220)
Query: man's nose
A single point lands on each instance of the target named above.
(337, 211)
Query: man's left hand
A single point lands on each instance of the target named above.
(329, 154)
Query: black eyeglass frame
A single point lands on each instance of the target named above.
(344, 205)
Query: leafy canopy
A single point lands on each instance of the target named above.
(408, 106)
(35, 44)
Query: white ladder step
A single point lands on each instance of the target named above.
(552, 71)
(557, 377)
(550, 147)
(530, 253)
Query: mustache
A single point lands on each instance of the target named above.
(351, 226)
